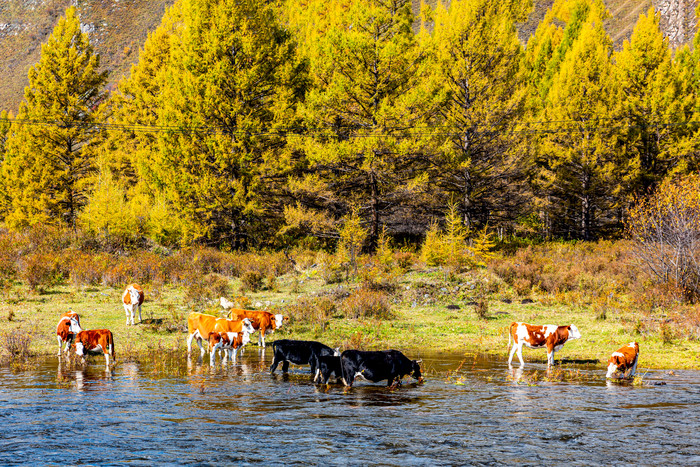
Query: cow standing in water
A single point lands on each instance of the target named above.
(68, 326)
(536, 337)
(374, 366)
(132, 298)
(97, 341)
(622, 364)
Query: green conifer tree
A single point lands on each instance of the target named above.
(361, 68)
(475, 73)
(50, 157)
(650, 96)
(576, 160)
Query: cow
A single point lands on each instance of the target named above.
(327, 365)
(299, 353)
(262, 321)
(97, 341)
(66, 329)
(374, 366)
(622, 364)
(228, 342)
(132, 298)
(550, 336)
(200, 325)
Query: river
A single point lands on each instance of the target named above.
(471, 409)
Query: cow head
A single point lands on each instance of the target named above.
(415, 370)
(134, 295)
(79, 346)
(74, 326)
(615, 361)
(246, 339)
(247, 326)
(279, 319)
(573, 332)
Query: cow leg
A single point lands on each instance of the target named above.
(520, 354)
(106, 358)
(189, 343)
(60, 345)
(317, 375)
(126, 310)
(285, 366)
(139, 314)
(512, 352)
(550, 357)
(262, 338)
(275, 362)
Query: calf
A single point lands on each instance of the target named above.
(622, 364)
(98, 341)
(262, 321)
(228, 342)
(68, 326)
(327, 365)
(374, 366)
(132, 298)
(299, 353)
(549, 336)
(200, 325)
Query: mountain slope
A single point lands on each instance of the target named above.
(118, 28)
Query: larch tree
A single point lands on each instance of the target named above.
(357, 145)
(576, 158)
(124, 158)
(651, 96)
(50, 153)
(475, 69)
(228, 96)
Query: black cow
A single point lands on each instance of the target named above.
(299, 353)
(327, 365)
(377, 366)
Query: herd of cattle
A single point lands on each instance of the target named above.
(226, 336)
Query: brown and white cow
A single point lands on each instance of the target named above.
(622, 364)
(228, 342)
(66, 329)
(200, 325)
(96, 341)
(262, 321)
(132, 298)
(536, 337)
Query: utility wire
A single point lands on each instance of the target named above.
(361, 131)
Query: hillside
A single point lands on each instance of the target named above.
(118, 28)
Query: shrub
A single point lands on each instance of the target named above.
(665, 229)
(41, 271)
(252, 281)
(84, 268)
(365, 303)
(16, 343)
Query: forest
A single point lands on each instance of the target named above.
(250, 124)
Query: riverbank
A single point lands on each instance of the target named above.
(425, 311)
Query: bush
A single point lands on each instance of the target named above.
(665, 229)
(364, 303)
(252, 281)
(16, 343)
(41, 271)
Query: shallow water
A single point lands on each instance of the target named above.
(469, 410)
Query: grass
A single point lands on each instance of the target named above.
(428, 313)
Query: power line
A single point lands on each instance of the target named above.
(361, 131)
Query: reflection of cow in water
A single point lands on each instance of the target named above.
(374, 366)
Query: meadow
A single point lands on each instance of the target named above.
(378, 303)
